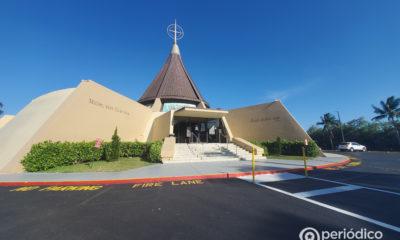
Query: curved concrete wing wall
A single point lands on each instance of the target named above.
(5, 119)
(85, 113)
(93, 111)
(17, 133)
(265, 122)
(162, 126)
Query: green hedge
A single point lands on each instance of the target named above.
(48, 154)
(286, 147)
(134, 149)
(155, 152)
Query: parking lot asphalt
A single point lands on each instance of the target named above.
(370, 169)
(209, 209)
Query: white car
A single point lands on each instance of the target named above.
(351, 146)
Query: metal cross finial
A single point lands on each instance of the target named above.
(175, 31)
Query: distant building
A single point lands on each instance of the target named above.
(171, 109)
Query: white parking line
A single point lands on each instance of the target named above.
(303, 196)
(369, 188)
(371, 220)
(327, 191)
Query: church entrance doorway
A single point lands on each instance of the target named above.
(193, 130)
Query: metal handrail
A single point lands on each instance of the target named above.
(226, 137)
(199, 153)
(197, 137)
(227, 141)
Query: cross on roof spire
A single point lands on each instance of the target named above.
(175, 31)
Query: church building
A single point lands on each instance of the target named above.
(171, 109)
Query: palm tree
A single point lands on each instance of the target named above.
(1, 106)
(390, 110)
(329, 121)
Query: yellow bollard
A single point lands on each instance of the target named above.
(254, 168)
(305, 163)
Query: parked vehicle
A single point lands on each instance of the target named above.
(351, 146)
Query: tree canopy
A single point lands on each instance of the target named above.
(374, 135)
(390, 110)
(329, 122)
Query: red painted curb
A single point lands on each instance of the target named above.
(166, 179)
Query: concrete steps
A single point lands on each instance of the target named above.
(207, 152)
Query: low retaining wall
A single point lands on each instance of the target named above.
(168, 149)
(248, 146)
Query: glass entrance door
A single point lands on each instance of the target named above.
(198, 130)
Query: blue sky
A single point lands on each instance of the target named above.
(315, 56)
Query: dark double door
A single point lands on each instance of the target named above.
(198, 130)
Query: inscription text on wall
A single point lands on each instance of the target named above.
(108, 107)
(263, 119)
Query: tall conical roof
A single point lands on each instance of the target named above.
(172, 82)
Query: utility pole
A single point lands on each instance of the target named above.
(340, 124)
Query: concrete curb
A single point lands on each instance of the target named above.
(165, 179)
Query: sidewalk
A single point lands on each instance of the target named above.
(165, 172)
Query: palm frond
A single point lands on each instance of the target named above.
(395, 103)
(378, 110)
(384, 106)
(377, 118)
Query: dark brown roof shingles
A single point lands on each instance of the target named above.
(172, 82)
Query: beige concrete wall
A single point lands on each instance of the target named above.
(162, 126)
(157, 105)
(85, 113)
(265, 122)
(93, 111)
(168, 149)
(227, 128)
(16, 137)
(5, 119)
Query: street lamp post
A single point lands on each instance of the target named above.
(340, 124)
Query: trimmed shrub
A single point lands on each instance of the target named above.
(266, 153)
(290, 148)
(115, 146)
(312, 149)
(126, 149)
(107, 151)
(48, 154)
(278, 146)
(134, 149)
(155, 151)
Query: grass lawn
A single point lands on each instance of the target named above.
(102, 166)
(286, 157)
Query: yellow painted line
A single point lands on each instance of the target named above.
(353, 163)
(95, 196)
(329, 168)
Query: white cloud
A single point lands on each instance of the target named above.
(286, 93)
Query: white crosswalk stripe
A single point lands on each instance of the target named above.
(327, 191)
(305, 196)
